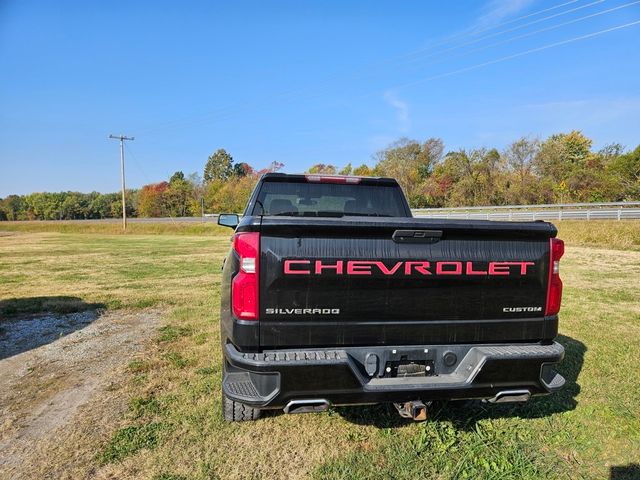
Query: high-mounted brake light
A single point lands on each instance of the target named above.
(554, 292)
(244, 287)
(332, 179)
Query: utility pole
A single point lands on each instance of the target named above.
(122, 138)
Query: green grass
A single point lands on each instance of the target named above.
(146, 406)
(612, 234)
(129, 440)
(115, 228)
(169, 476)
(173, 427)
(72, 272)
(441, 450)
(171, 332)
(623, 235)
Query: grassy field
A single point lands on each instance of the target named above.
(115, 228)
(174, 430)
(610, 234)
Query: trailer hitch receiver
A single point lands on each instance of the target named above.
(415, 410)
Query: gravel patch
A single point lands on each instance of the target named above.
(56, 372)
(23, 334)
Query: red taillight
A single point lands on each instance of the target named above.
(554, 293)
(332, 179)
(244, 288)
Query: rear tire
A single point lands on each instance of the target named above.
(238, 412)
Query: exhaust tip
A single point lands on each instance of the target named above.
(307, 406)
(509, 396)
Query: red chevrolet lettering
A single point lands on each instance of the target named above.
(388, 271)
(499, 268)
(356, 267)
(337, 267)
(408, 268)
(503, 268)
(457, 268)
(471, 271)
(420, 267)
(523, 266)
(289, 271)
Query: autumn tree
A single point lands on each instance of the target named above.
(151, 201)
(219, 166)
(275, 166)
(411, 163)
(472, 177)
(242, 169)
(564, 154)
(131, 203)
(13, 207)
(176, 177)
(520, 156)
(562, 168)
(346, 170)
(198, 190)
(100, 205)
(363, 171)
(575, 172)
(177, 197)
(321, 168)
(522, 185)
(230, 196)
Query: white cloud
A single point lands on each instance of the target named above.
(497, 11)
(402, 111)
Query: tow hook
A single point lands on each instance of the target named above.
(416, 410)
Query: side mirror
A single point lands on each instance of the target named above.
(230, 220)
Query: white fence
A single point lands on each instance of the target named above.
(569, 211)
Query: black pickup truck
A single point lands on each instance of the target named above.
(334, 294)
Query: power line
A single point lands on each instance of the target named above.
(138, 165)
(529, 15)
(535, 32)
(502, 58)
(232, 110)
(513, 29)
(520, 54)
(492, 27)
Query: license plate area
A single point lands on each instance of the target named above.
(409, 363)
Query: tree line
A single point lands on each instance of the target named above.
(562, 168)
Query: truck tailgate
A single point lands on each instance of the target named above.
(365, 281)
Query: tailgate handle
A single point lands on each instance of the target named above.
(417, 236)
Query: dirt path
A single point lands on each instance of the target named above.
(59, 377)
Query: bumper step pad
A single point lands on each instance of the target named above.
(296, 356)
(243, 388)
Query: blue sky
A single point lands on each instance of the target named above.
(299, 82)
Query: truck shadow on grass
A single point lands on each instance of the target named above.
(28, 323)
(625, 472)
(465, 414)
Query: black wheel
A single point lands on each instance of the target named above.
(238, 412)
